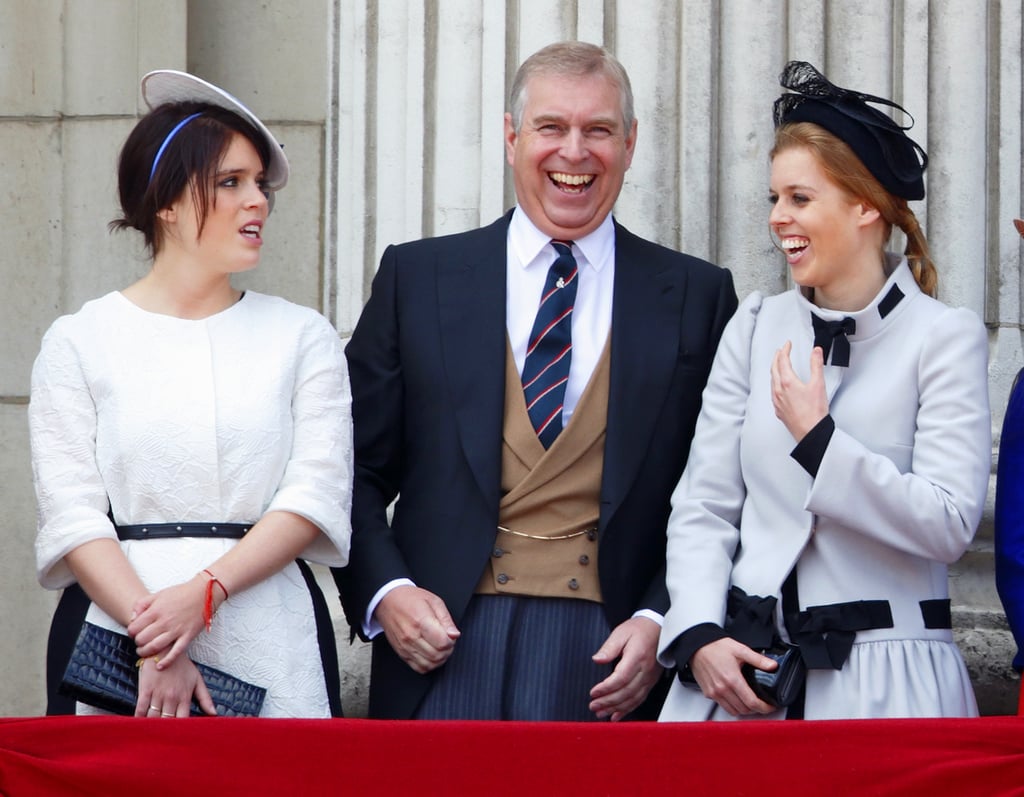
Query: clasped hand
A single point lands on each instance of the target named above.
(167, 621)
(168, 692)
(163, 625)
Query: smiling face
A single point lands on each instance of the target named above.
(571, 153)
(230, 238)
(832, 241)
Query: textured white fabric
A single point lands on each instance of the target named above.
(215, 420)
(898, 494)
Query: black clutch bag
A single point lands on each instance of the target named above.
(750, 619)
(102, 673)
(781, 686)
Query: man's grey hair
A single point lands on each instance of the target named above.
(571, 59)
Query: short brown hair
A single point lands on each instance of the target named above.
(571, 59)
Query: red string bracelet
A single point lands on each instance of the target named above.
(208, 602)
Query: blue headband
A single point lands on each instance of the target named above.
(167, 141)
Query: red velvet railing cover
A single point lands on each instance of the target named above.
(107, 756)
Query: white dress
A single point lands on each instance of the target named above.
(215, 420)
(897, 496)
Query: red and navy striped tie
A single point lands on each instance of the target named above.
(550, 348)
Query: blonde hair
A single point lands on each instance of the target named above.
(847, 171)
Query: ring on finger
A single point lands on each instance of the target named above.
(165, 714)
(153, 708)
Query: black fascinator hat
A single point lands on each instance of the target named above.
(896, 161)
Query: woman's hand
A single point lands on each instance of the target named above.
(799, 405)
(167, 621)
(718, 669)
(168, 692)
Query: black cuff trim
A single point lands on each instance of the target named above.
(811, 449)
(692, 640)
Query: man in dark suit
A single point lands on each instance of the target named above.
(521, 575)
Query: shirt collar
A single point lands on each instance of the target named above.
(528, 243)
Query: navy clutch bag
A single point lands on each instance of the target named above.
(102, 673)
(782, 686)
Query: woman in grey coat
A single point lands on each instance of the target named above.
(842, 455)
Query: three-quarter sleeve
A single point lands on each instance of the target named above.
(72, 501)
(317, 480)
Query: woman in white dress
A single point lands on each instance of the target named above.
(842, 455)
(191, 443)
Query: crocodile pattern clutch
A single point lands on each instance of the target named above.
(102, 673)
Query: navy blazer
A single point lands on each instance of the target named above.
(427, 366)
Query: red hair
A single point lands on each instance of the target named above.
(847, 171)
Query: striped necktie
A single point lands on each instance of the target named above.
(549, 352)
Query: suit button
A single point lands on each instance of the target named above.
(574, 584)
(584, 560)
(497, 552)
(502, 578)
(591, 534)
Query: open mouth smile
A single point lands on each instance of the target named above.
(571, 183)
(794, 246)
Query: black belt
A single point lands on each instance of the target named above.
(936, 612)
(825, 634)
(163, 531)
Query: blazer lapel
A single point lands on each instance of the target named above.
(645, 342)
(471, 312)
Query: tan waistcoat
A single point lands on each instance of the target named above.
(550, 493)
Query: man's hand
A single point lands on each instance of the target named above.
(635, 644)
(418, 627)
(718, 669)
